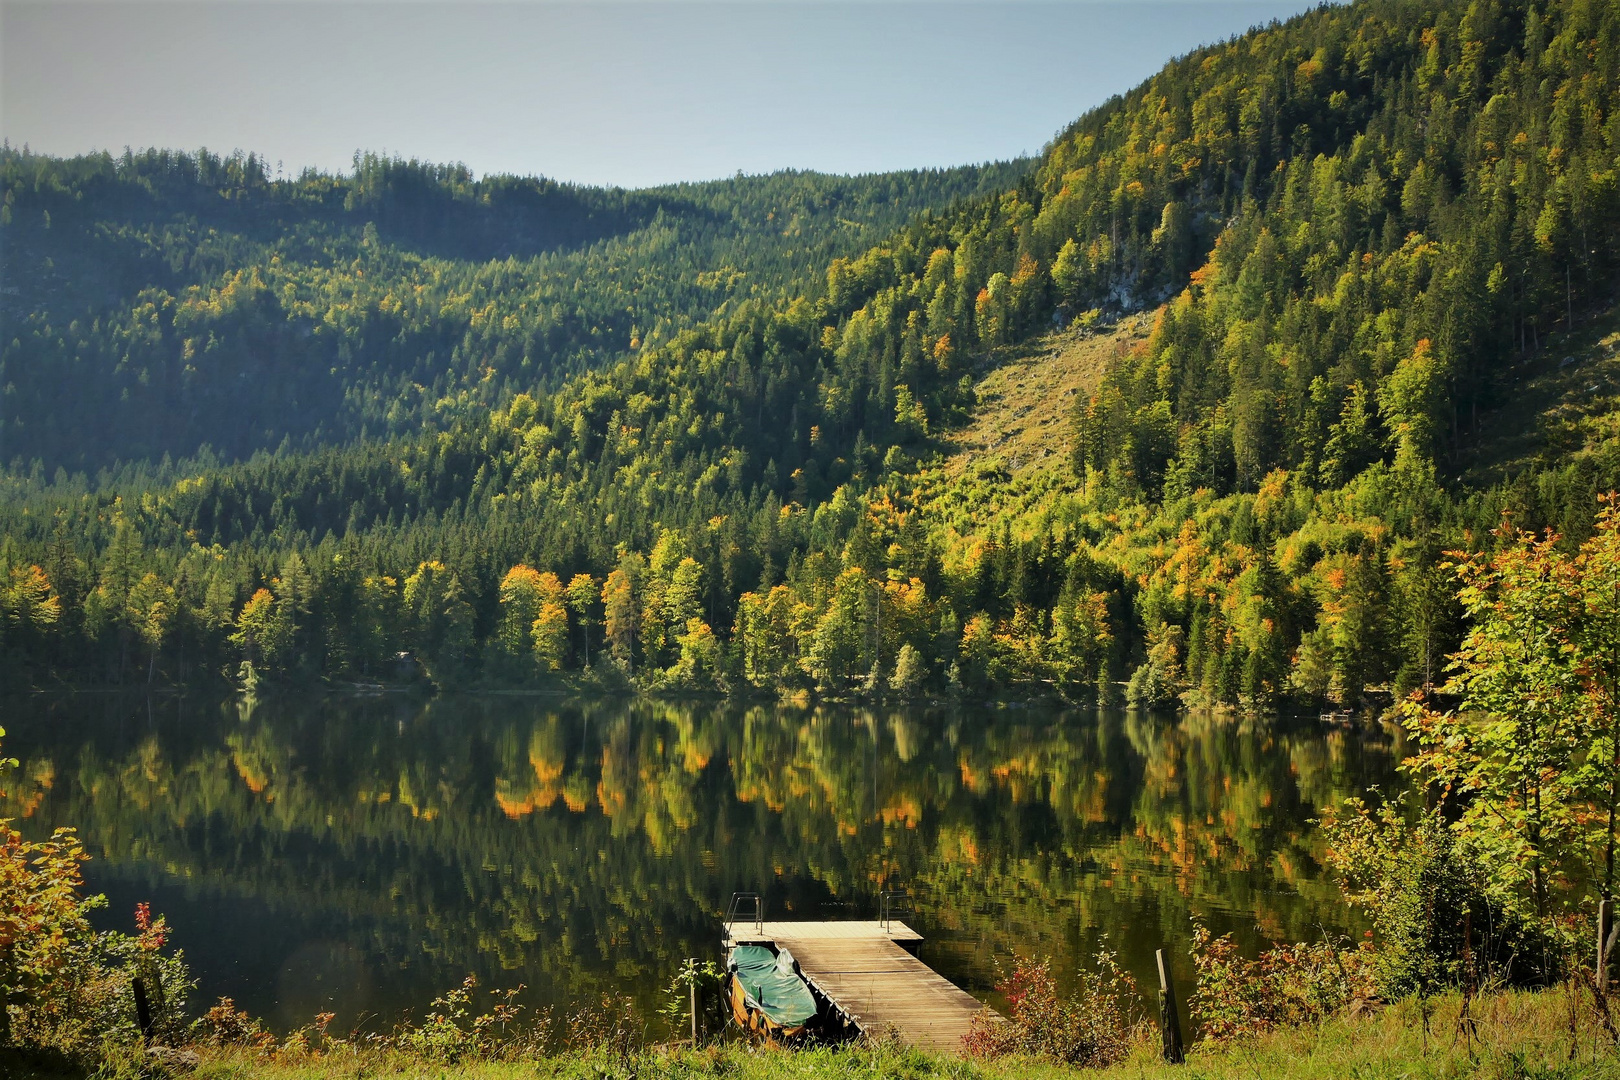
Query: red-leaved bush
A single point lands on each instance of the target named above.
(1285, 985)
(1093, 1027)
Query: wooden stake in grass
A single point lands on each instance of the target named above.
(1169, 1018)
(1605, 942)
(692, 987)
(1607, 931)
(1467, 1026)
(143, 1010)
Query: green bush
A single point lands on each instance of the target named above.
(451, 1031)
(1436, 918)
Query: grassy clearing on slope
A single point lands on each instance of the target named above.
(1024, 417)
(1519, 1035)
(1013, 458)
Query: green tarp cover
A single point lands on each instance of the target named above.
(781, 995)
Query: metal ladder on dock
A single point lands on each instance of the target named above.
(892, 902)
(737, 911)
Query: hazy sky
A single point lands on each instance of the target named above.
(610, 92)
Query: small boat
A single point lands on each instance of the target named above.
(768, 995)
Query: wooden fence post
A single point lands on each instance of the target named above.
(143, 1010)
(1169, 1018)
(693, 988)
(1605, 931)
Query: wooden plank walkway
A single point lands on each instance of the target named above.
(861, 968)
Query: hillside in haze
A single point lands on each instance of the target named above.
(1356, 249)
(162, 303)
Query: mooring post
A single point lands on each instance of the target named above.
(143, 1010)
(1169, 1019)
(1605, 931)
(691, 986)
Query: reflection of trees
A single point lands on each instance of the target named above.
(576, 846)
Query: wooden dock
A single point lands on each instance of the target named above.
(865, 971)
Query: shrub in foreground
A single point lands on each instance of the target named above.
(1093, 1027)
(1285, 986)
(63, 986)
(1441, 920)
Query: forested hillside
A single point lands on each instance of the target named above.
(163, 303)
(1366, 231)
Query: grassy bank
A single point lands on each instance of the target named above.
(1518, 1035)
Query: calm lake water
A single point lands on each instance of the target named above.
(363, 855)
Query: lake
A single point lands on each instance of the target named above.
(361, 855)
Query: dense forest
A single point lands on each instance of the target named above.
(1365, 232)
(193, 305)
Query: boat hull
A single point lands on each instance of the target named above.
(753, 1019)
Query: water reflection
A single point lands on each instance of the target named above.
(362, 855)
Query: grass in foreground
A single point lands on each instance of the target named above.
(1518, 1036)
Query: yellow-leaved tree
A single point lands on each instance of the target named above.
(550, 627)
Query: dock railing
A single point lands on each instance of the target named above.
(745, 906)
(892, 903)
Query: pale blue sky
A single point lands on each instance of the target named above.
(615, 92)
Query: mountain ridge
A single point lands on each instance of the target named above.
(189, 299)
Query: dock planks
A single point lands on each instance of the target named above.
(862, 968)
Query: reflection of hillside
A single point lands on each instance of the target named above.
(586, 845)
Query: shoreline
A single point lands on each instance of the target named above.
(1366, 717)
(1516, 1034)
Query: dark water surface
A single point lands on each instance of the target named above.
(363, 855)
